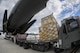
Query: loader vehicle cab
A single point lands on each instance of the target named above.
(69, 33)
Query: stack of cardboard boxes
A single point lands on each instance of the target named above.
(48, 30)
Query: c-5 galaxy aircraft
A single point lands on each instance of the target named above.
(22, 13)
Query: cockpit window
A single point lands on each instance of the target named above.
(72, 25)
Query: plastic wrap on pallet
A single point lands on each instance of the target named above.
(48, 30)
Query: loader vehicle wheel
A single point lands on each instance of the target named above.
(41, 48)
(36, 47)
(33, 46)
(57, 50)
(20, 44)
(12, 39)
(5, 38)
(25, 45)
(46, 48)
(17, 42)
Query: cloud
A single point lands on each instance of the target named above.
(0, 1)
(74, 5)
(55, 6)
(7, 4)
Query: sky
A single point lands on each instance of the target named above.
(61, 9)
